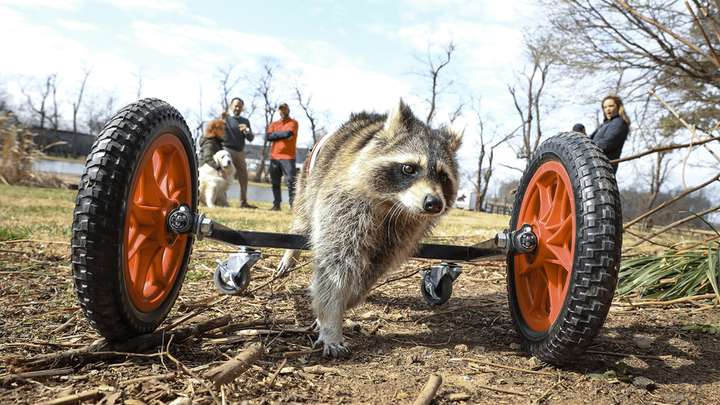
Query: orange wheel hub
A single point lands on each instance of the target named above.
(153, 255)
(542, 277)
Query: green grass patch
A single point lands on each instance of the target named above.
(8, 233)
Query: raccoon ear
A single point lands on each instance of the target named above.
(399, 118)
(455, 139)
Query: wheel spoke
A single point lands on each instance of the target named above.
(156, 277)
(150, 192)
(560, 244)
(545, 194)
(556, 212)
(556, 277)
(538, 293)
(140, 266)
(160, 162)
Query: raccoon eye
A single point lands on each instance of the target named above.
(444, 177)
(408, 169)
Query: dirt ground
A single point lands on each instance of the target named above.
(645, 355)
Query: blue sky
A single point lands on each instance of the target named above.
(349, 56)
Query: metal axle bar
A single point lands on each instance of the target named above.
(520, 241)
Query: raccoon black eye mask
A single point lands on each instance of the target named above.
(376, 188)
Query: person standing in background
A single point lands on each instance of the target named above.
(237, 131)
(283, 134)
(611, 135)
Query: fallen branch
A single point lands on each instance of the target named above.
(428, 392)
(665, 149)
(36, 374)
(104, 350)
(231, 369)
(674, 199)
(677, 223)
(79, 397)
(669, 302)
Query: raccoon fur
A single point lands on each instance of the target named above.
(374, 190)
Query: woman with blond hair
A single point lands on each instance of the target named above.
(611, 135)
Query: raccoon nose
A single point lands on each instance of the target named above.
(432, 204)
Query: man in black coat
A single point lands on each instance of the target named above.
(611, 135)
(237, 131)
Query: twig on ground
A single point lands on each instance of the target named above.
(489, 388)
(194, 313)
(231, 369)
(104, 350)
(65, 325)
(648, 303)
(401, 277)
(158, 377)
(546, 393)
(428, 392)
(640, 356)
(79, 397)
(276, 373)
(275, 277)
(486, 363)
(36, 374)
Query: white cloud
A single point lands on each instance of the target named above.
(74, 25)
(51, 4)
(154, 5)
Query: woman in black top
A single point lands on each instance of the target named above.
(212, 142)
(611, 135)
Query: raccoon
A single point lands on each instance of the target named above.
(365, 200)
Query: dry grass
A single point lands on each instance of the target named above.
(18, 152)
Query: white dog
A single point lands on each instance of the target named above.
(214, 183)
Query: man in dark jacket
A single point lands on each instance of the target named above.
(237, 131)
(611, 135)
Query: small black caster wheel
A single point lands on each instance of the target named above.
(232, 277)
(436, 295)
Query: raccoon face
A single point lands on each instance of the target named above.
(414, 166)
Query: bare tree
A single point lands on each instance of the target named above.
(665, 45)
(76, 104)
(99, 112)
(55, 118)
(434, 66)
(264, 90)
(40, 109)
(542, 58)
(309, 113)
(4, 98)
(485, 169)
(227, 84)
(139, 84)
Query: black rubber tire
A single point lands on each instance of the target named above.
(99, 217)
(443, 290)
(598, 243)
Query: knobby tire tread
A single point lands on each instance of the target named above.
(98, 217)
(598, 245)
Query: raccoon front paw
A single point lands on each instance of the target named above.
(287, 263)
(335, 350)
